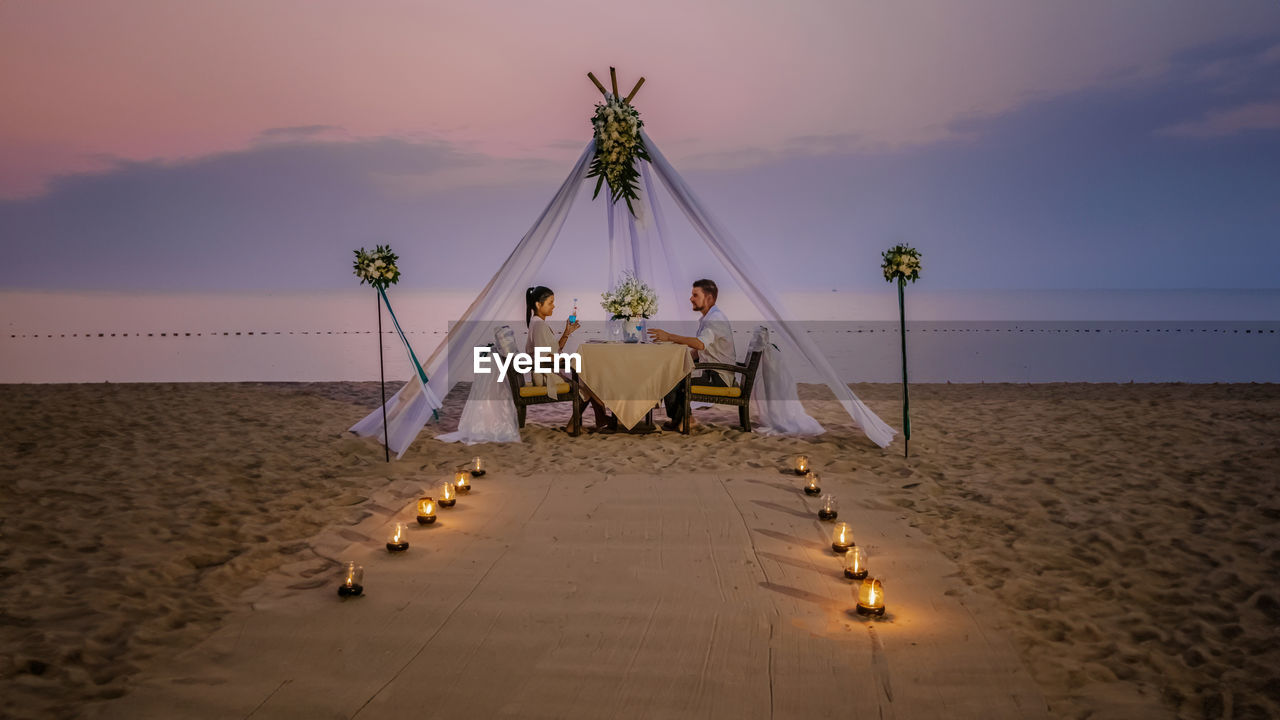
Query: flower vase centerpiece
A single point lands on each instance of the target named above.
(630, 305)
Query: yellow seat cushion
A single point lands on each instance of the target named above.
(716, 390)
(539, 391)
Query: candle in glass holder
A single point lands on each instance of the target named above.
(855, 563)
(811, 485)
(841, 538)
(802, 465)
(870, 597)
(829, 508)
(352, 579)
(462, 482)
(477, 467)
(447, 496)
(398, 542)
(426, 511)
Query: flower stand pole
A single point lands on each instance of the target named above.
(902, 263)
(378, 269)
(906, 401)
(382, 379)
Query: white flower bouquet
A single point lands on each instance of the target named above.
(632, 298)
(618, 145)
(378, 268)
(901, 262)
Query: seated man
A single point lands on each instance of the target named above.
(713, 343)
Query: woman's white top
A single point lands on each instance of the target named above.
(541, 335)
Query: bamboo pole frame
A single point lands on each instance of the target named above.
(598, 85)
(613, 80)
(634, 90)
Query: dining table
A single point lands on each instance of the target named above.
(630, 379)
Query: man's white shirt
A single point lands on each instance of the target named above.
(717, 341)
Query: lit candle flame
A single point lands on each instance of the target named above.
(396, 538)
(871, 597)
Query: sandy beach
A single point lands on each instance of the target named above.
(1123, 540)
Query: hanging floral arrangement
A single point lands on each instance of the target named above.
(618, 147)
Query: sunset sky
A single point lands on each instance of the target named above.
(252, 145)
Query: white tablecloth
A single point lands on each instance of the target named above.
(631, 378)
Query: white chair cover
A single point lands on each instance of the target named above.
(775, 404)
(506, 339)
(489, 415)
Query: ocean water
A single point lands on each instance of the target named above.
(1114, 336)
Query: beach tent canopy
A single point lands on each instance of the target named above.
(638, 245)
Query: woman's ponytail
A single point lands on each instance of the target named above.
(532, 297)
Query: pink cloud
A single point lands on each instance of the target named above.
(157, 79)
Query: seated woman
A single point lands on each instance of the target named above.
(539, 303)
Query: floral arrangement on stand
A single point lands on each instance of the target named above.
(618, 145)
(378, 268)
(902, 263)
(631, 299)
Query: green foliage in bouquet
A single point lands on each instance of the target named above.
(618, 145)
(901, 262)
(378, 268)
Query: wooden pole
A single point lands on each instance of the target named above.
(613, 80)
(906, 402)
(382, 376)
(597, 82)
(634, 90)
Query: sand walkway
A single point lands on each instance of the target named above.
(594, 595)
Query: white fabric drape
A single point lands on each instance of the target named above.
(407, 411)
(502, 297)
(489, 415)
(636, 244)
(775, 404)
(726, 249)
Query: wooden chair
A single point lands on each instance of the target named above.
(525, 395)
(739, 394)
